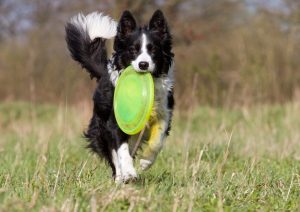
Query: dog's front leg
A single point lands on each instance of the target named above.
(155, 143)
(121, 158)
(123, 163)
(126, 163)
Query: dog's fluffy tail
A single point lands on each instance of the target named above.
(85, 36)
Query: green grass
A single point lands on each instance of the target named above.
(242, 159)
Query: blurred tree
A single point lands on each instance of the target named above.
(13, 18)
(228, 52)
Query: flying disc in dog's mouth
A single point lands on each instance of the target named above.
(133, 100)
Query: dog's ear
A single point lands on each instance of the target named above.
(127, 24)
(158, 23)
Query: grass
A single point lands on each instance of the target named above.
(215, 159)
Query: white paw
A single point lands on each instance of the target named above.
(145, 164)
(129, 174)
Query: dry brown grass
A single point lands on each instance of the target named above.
(215, 159)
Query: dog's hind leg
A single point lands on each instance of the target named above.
(100, 142)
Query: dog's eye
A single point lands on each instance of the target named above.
(150, 48)
(132, 50)
(137, 47)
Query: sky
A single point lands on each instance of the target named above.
(275, 5)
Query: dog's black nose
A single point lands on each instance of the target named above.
(143, 65)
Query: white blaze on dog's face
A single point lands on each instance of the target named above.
(143, 62)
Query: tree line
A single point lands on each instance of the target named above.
(227, 52)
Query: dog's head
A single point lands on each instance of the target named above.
(147, 48)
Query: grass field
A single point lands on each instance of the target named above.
(215, 159)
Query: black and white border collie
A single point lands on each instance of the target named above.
(147, 49)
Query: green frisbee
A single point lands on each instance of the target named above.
(133, 100)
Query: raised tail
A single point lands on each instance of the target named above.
(85, 36)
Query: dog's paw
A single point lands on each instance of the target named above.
(129, 175)
(145, 164)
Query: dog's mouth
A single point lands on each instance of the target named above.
(143, 71)
(138, 69)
